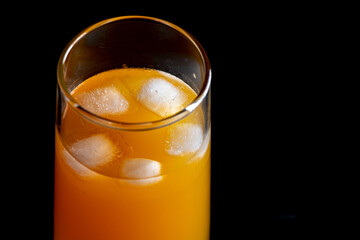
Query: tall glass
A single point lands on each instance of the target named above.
(160, 188)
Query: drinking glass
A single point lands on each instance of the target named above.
(173, 203)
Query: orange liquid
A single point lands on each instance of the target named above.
(132, 185)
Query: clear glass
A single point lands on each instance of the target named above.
(173, 203)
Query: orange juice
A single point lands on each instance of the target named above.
(132, 185)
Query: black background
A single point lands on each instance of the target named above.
(256, 112)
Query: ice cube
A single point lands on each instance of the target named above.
(94, 151)
(140, 168)
(202, 150)
(104, 100)
(161, 97)
(80, 169)
(184, 138)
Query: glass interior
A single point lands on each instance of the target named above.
(134, 42)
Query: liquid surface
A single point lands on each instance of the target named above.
(134, 94)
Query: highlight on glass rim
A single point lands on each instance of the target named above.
(133, 134)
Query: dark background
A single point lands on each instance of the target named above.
(255, 52)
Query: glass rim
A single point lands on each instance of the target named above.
(134, 126)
